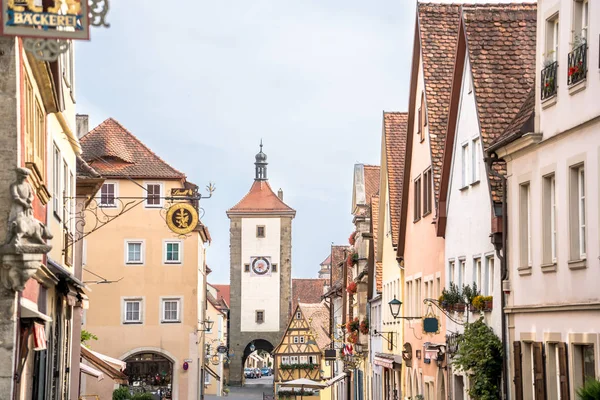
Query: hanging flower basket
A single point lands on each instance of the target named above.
(351, 288)
(352, 325)
(353, 338)
(352, 238)
(364, 327)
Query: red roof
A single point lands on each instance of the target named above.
(372, 179)
(261, 199)
(223, 292)
(115, 152)
(307, 291)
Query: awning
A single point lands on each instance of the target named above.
(213, 373)
(383, 362)
(336, 379)
(29, 310)
(390, 361)
(96, 362)
(86, 369)
(39, 337)
(120, 365)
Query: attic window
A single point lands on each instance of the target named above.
(107, 195)
(246, 267)
(298, 315)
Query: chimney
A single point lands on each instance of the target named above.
(83, 122)
(280, 194)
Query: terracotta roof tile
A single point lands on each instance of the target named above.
(327, 261)
(307, 291)
(520, 124)
(115, 152)
(338, 256)
(501, 42)
(261, 199)
(317, 316)
(223, 293)
(375, 221)
(438, 28)
(372, 179)
(84, 170)
(395, 129)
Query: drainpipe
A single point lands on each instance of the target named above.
(501, 252)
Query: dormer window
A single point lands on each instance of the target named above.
(298, 315)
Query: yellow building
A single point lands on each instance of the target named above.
(149, 307)
(216, 311)
(300, 355)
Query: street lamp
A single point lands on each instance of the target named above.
(252, 347)
(395, 305)
(208, 324)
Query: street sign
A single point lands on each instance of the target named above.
(431, 325)
(222, 349)
(53, 19)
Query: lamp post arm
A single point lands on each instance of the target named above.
(378, 333)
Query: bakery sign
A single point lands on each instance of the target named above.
(46, 19)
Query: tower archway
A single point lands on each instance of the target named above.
(255, 346)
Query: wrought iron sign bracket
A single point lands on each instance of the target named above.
(436, 304)
(378, 333)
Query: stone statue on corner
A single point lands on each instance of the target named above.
(26, 238)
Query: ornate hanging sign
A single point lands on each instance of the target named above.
(52, 19)
(182, 218)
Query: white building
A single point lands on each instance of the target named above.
(552, 169)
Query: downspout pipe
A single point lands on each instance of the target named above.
(501, 252)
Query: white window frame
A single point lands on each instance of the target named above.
(475, 151)
(296, 339)
(302, 340)
(116, 195)
(124, 302)
(581, 212)
(462, 269)
(465, 165)
(490, 265)
(452, 270)
(179, 301)
(549, 220)
(161, 195)
(585, 18)
(285, 360)
(552, 37)
(166, 243)
(294, 359)
(56, 181)
(477, 272)
(298, 315)
(142, 242)
(303, 359)
(525, 250)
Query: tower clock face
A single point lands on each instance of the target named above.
(261, 265)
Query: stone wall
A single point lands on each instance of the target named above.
(9, 159)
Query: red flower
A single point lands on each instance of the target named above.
(351, 287)
(352, 238)
(353, 338)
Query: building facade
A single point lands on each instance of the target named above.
(261, 262)
(150, 306)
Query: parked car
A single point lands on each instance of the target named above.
(257, 373)
(265, 371)
(249, 373)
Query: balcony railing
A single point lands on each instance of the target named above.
(549, 80)
(577, 64)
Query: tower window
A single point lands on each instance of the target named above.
(260, 231)
(260, 316)
(246, 267)
(273, 267)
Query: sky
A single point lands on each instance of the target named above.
(201, 84)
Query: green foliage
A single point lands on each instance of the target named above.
(142, 396)
(452, 296)
(87, 336)
(469, 293)
(285, 367)
(479, 355)
(121, 393)
(589, 391)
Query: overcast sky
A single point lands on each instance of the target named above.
(203, 82)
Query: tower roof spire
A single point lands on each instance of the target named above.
(260, 165)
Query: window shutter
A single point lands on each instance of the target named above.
(539, 379)
(563, 370)
(518, 380)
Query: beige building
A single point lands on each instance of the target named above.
(216, 311)
(148, 310)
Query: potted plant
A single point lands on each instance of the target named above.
(590, 390)
(364, 327)
(453, 298)
(478, 303)
(352, 325)
(351, 288)
(469, 293)
(488, 303)
(352, 238)
(353, 338)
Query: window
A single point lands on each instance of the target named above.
(173, 252)
(427, 189)
(477, 278)
(56, 194)
(107, 195)
(260, 316)
(273, 267)
(549, 220)
(311, 360)
(171, 310)
(417, 205)
(303, 360)
(134, 252)
(451, 271)
(552, 37)
(438, 287)
(301, 339)
(132, 311)
(294, 359)
(35, 130)
(298, 315)
(461, 272)
(583, 364)
(525, 224)
(206, 378)
(66, 187)
(153, 195)
(246, 267)
(475, 160)
(260, 231)
(577, 210)
(580, 20)
(465, 164)
(296, 339)
(489, 276)
(417, 297)
(422, 122)
(285, 360)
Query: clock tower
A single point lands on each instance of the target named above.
(260, 269)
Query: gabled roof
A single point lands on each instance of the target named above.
(261, 199)
(371, 181)
(394, 128)
(374, 225)
(223, 293)
(114, 152)
(326, 261)
(438, 30)
(307, 291)
(317, 316)
(521, 124)
(501, 41)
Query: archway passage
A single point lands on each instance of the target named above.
(256, 346)
(150, 373)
